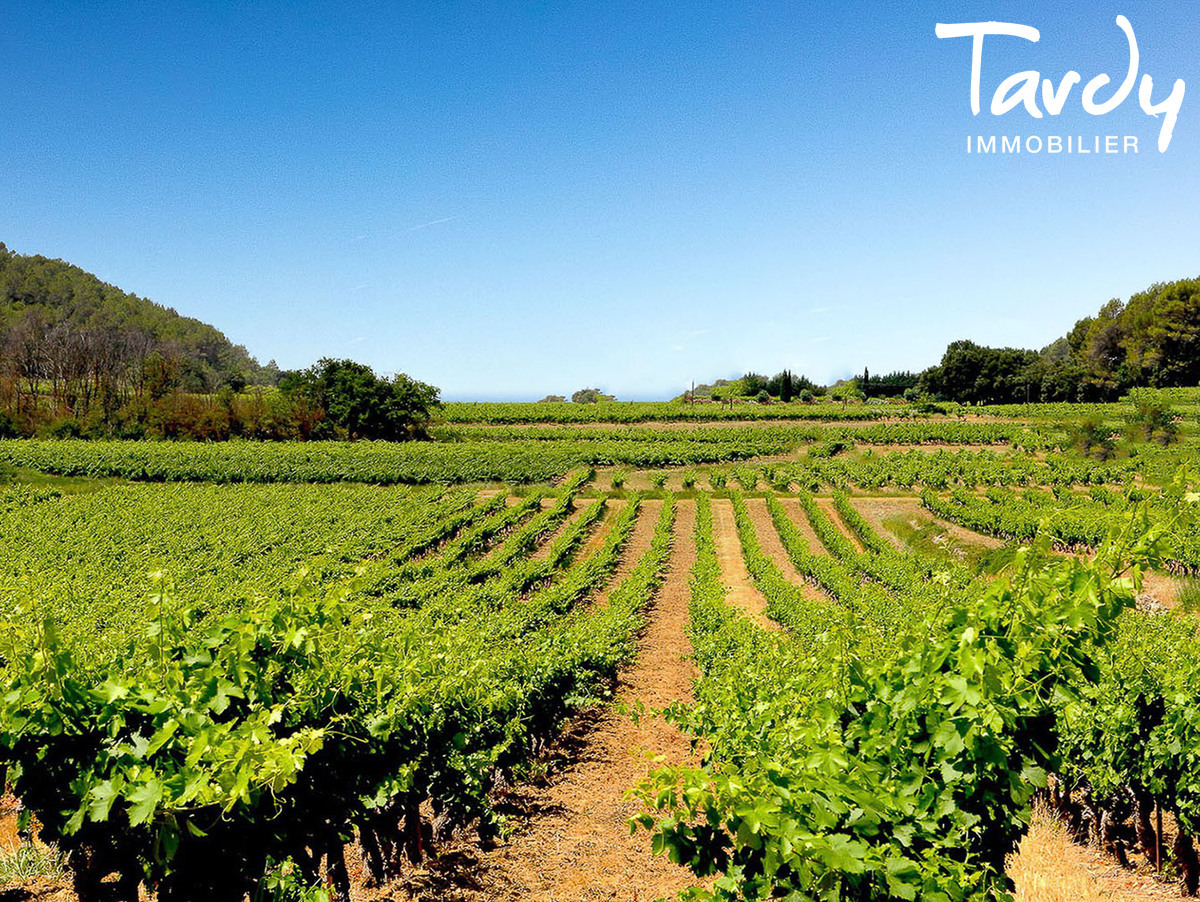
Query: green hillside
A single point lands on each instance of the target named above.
(58, 321)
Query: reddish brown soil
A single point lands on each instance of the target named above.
(543, 550)
(1162, 588)
(639, 542)
(827, 508)
(795, 512)
(572, 840)
(772, 546)
(740, 590)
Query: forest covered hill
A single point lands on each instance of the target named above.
(82, 358)
(62, 322)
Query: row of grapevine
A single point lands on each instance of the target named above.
(215, 747)
(767, 438)
(843, 769)
(1073, 521)
(837, 775)
(378, 463)
(943, 469)
(1129, 743)
(657, 412)
(786, 603)
(83, 558)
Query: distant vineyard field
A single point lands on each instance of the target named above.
(278, 669)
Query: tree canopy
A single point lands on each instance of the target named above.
(1152, 340)
(56, 313)
(358, 404)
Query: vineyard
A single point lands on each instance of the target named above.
(604, 651)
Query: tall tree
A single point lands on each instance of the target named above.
(358, 404)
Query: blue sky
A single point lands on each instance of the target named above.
(509, 200)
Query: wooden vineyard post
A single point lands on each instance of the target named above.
(1158, 835)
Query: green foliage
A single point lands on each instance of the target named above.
(1160, 334)
(79, 358)
(1153, 340)
(590, 396)
(383, 463)
(358, 404)
(226, 754)
(836, 775)
(1152, 419)
(752, 385)
(43, 299)
(1091, 438)
(1187, 596)
(82, 559)
(891, 385)
(649, 412)
(974, 374)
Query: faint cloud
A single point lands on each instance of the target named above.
(699, 332)
(432, 222)
(820, 309)
(813, 341)
(676, 347)
(352, 342)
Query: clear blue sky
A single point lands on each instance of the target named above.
(509, 200)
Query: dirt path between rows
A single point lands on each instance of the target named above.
(829, 510)
(772, 546)
(795, 512)
(543, 550)
(574, 844)
(740, 590)
(639, 541)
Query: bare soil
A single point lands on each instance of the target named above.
(740, 590)
(1162, 588)
(639, 542)
(543, 550)
(826, 506)
(795, 512)
(572, 841)
(772, 546)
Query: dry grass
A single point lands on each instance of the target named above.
(1047, 867)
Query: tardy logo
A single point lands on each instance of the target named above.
(1022, 88)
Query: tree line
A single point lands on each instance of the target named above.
(1152, 340)
(80, 357)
